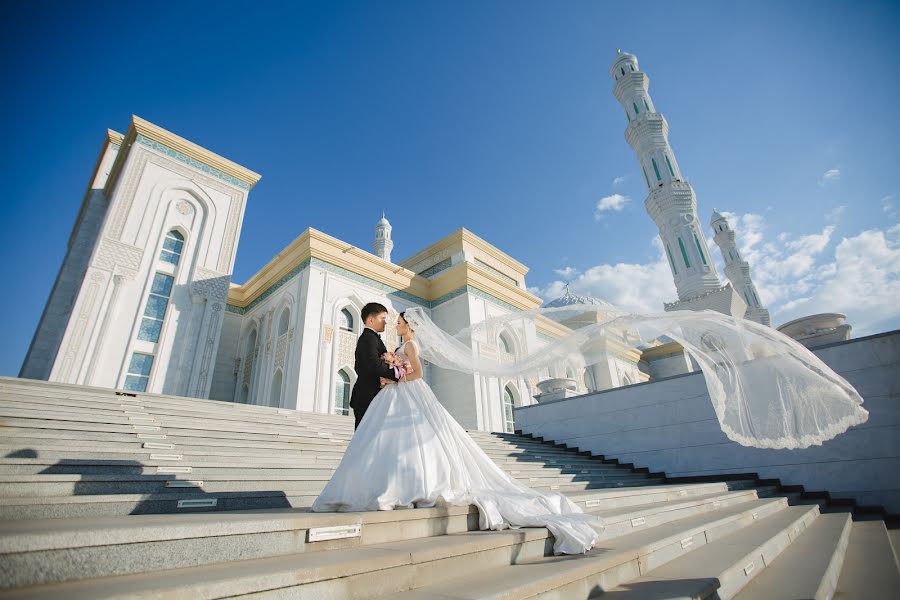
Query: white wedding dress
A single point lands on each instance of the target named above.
(410, 452)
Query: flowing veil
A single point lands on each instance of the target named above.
(768, 391)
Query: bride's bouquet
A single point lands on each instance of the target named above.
(399, 364)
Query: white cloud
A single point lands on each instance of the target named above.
(619, 180)
(797, 276)
(829, 176)
(614, 202)
(566, 272)
(640, 287)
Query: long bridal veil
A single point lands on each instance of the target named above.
(768, 391)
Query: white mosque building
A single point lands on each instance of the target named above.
(144, 299)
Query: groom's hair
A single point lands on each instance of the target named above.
(372, 309)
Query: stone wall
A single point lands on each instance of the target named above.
(669, 425)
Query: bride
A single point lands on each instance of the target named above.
(410, 452)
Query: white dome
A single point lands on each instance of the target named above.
(568, 299)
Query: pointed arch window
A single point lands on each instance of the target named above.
(687, 263)
(636, 111)
(622, 69)
(342, 393)
(647, 106)
(275, 391)
(509, 403)
(345, 321)
(656, 169)
(669, 164)
(173, 244)
(504, 344)
(672, 261)
(647, 179)
(700, 249)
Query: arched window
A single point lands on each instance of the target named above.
(687, 263)
(700, 249)
(647, 106)
(342, 393)
(747, 298)
(622, 69)
(509, 403)
(505, 344)
(632, 67)
(284, 321)
(345, 320)
(672, 261)
(155, 310)
(656, 169)
(173, 244)
(636, 111)
(275, 391)
(669, 164)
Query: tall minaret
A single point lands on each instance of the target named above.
(671, 201)
(383, 243)
(738, 270)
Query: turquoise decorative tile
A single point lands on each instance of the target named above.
(191, 161)
(496, 272)
(435, 269)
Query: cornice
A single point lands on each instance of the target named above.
(141, 127)
(462, 237)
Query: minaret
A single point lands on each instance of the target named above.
(671, 201)
(383, 243)
(738, 270)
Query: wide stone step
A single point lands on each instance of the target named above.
(614, 561)
(51, 551)
(60, 507)
(46, 437)
(869, 569)
(722, 566)
(145, 444)
(809, 568)
(99, 431)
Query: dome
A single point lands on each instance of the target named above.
(383, 221)
(569, 299)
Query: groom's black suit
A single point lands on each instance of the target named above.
(369, 369)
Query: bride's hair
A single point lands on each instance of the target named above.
(403, 316)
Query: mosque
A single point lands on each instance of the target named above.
(144, 299)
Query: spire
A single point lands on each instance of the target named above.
(670, 201)
(383, 244)
(738, 270)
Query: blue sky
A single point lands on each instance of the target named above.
(496, 116)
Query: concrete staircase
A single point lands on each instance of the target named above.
(104, 495)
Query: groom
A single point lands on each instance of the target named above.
(370, 367)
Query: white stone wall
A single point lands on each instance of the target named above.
(670, 426)
(153, 195)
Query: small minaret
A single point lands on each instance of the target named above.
(738, 270)
(383, 243)
(670, 201)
